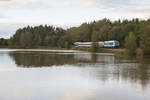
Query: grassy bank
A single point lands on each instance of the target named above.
(118, 51)
(4, 47)
(101, 50)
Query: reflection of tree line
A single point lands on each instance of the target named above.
(39, 60)
(132, 71)
(96, 58)
(136, 73)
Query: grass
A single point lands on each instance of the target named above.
(101, 50)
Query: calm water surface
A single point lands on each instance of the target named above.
(72, 75)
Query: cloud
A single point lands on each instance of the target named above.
(99, 3)
(139, 10)
(115, 3)
(18, 4)
(46, 3)
(2, 16)
(144, 8)
(4, 0)
(80, 3)
(62, 3)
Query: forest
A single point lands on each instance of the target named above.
(101, 30)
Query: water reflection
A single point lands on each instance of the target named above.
(39, 59)
(46, 59)
(72, 76)
(109, 65)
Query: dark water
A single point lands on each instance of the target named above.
(72, 75)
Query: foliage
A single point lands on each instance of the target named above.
(145, 40)
(64, 42)
(130, 44)
(30, 37)
(3, 42)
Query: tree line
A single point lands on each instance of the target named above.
(32, 37)
(3, 42)
(101, 30)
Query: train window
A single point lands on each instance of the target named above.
(108, 43)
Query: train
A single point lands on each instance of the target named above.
(105, 44)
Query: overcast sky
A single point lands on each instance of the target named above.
(15, 14)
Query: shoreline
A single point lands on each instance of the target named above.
(100, 50)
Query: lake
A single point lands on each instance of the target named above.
(71, 75)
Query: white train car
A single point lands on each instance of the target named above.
(83, 44)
